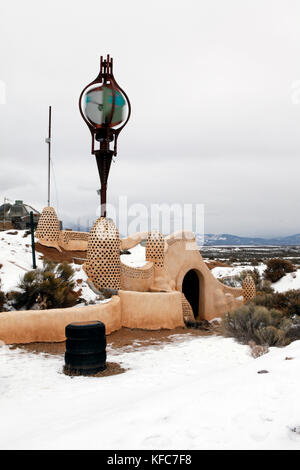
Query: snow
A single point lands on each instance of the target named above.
(195, 393)
(235, 270)
(289, 281)
(16, 260)
(137, 257)
(15, 257)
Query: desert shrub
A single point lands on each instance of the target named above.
(49, 287)
(237, 280)
(2, 299)
(277, 268)
(293, 333)
(272, 336)
(287, 302)
(264, 299)
(261, 285)
(256, 323)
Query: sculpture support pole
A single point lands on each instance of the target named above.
(103, 158)
(103, 192)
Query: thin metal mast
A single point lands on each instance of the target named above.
(48, 141)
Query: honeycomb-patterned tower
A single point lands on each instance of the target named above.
(103, 265)
(249, 290)
(155, 248)
(48, 226)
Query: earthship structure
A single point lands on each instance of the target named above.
(172, 287)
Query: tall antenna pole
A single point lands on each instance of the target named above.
(48, 141)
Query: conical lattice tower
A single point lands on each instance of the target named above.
(103, 265)
(249, 289)
(48, 226)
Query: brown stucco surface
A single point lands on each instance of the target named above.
(29, 326)
(129, 309)
(151, 310)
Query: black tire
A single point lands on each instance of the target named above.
(85, 361)
(79, 345)
(86, 371)
(85, 330)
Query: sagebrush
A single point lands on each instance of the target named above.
(287, 302)
(261, 284)
(263, 326)
(277, 268)
(2, 299)
(49, 287)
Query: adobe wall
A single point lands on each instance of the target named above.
(71, 240)
(133, 240)
(31, 326)
(137, 279)
(142, 310)
(151, 310)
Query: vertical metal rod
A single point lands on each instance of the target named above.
(103, 192)
(49, 153)
(32, 240)
(4, 215)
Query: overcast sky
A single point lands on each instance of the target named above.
(215, 93)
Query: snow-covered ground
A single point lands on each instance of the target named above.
(137, 257)
(16, 260)
(221, 271)
(195, 393)
(289, 281)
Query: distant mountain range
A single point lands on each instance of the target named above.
(211, 239)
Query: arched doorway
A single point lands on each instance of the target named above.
(191, 290)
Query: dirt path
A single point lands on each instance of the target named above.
(126, 340)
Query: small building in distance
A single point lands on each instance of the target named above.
(17, 216)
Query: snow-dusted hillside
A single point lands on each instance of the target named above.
(15, 257)
(289, 281)
(16, 260)
(197, 393)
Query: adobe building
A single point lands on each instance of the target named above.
(173, 286)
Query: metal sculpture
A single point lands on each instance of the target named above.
(106, 109)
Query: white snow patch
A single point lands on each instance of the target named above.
(15, 257)
(235, 270)
(137, 257)
(197, 393)
(16, 260)
(289, 281)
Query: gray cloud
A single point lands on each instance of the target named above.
(215, 116)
